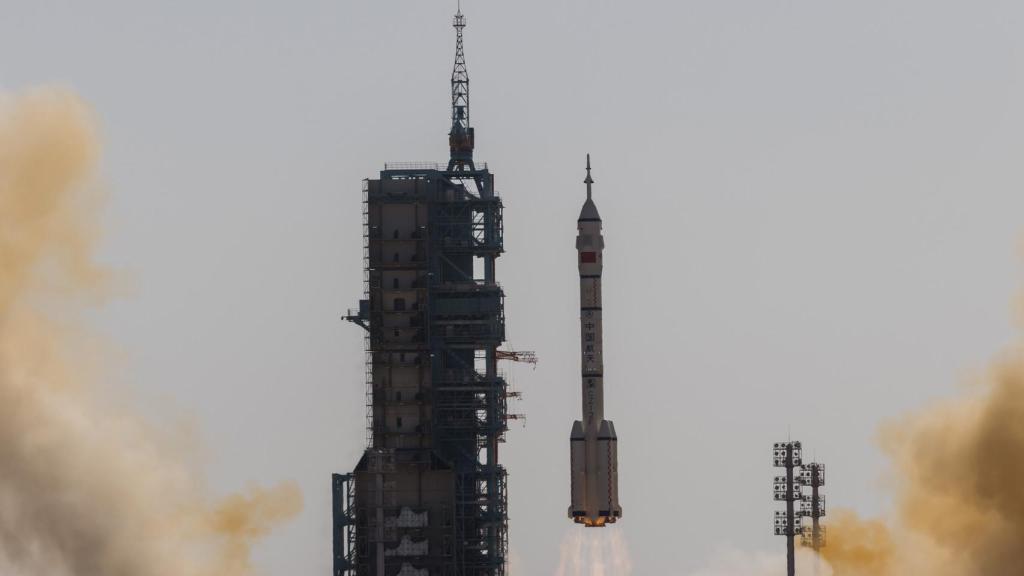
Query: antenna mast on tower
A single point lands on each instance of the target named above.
(460, 139)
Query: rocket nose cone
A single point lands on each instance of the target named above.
(589, 211)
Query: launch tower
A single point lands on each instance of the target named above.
(428, 496)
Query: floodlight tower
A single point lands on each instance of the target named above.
(788, 455)
(813, 506)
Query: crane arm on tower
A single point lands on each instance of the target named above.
(518, 356)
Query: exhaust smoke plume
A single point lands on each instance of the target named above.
(594, 552)
(730, 561)
(86, 489)
(960, 481)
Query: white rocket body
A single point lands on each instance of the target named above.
(593, 443)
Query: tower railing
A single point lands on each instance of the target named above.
(367, 339)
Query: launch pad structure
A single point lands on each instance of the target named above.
(428, 497)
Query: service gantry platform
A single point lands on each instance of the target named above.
(428, 496)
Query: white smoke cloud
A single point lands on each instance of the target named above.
(594, 552)
(730, 561)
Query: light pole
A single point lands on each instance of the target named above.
(788, 455)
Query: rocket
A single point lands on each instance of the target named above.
(593, 450)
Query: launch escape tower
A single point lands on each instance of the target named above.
(789, 489)
(428, 497)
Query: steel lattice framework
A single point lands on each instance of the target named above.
(429, 496)
(460, 78)
(461, 137)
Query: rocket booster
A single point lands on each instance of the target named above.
(592, 443)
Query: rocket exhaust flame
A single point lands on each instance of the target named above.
(85, 489)
(594, 553)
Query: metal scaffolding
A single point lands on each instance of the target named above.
(444, 339)
(344, 524)
(429, 497)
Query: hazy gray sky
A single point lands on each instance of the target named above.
(812, 213)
